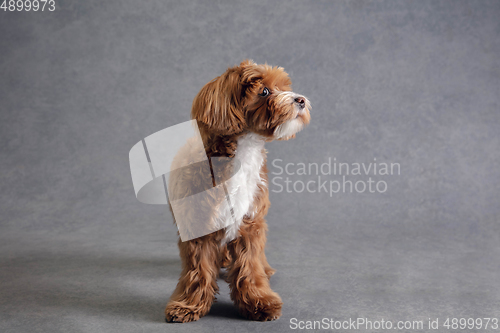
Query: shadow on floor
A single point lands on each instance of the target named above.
(225, 309)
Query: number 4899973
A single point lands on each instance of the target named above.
(28, 5)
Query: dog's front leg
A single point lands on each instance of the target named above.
(197, 285)
(247, 276)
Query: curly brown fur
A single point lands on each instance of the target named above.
(227, 109)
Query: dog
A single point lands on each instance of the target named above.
(237, 113)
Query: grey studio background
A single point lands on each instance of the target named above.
(408, 82)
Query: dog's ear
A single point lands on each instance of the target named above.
(218, 104)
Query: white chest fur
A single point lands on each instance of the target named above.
(243, 186)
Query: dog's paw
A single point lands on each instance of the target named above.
(177, 313)
(263, 308)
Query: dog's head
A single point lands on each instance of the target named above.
(251, 97)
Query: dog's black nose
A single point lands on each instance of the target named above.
(300, 101)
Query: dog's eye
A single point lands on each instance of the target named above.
(265, 92)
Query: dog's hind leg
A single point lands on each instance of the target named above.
(267, 268)
(225, 257)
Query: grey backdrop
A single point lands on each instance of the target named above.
(409, 82)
